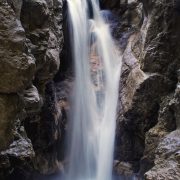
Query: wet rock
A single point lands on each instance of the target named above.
(9, 109)
(138, 113)
(132, 75)
(123, 168)
(16, 67)
(166, 123)
(31, 10)
(149, 103)
(161, 26)
(140, 117)
(4, 164)
(32, 100)
(45, 35)
(16, 6)
(16, 159)
(149, 97)
(31, 41)
(133, 15)
(46, 134)
(176, 102)
(47, 41)
(167, 159)
(20, 149)
(110, 4)
(130, 11)
(51, 60)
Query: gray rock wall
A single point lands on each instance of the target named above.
(31, 41)
(147, 130)
(34, 91)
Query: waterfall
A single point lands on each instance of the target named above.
(97, 65)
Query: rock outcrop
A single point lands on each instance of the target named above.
(31, 41)
(17, 66)
(147, 131)
(37, 76)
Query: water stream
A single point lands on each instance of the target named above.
(97, 65)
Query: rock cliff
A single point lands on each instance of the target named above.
(148, 121)
(31, 41)
(37, 76)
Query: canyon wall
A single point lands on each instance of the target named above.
(37, 76)
(148, 120)
(31, 41)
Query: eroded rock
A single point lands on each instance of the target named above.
(32, 100)
(9, 109)
(31, 10)
(20, 149)
(149, 97)
(16, 68)
(123, 168)
(167, 159)
(31, 41)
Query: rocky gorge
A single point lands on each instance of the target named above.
(37, 76)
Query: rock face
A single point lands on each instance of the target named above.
(8, 110)
(36, 79)
(31, 41)
(167, 158)
(17, 67)
(147, 130)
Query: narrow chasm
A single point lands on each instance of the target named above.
(89, 90)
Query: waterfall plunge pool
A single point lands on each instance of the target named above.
(58, 177)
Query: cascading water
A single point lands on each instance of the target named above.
(95, 94)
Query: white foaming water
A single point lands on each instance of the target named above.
(95, 94)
